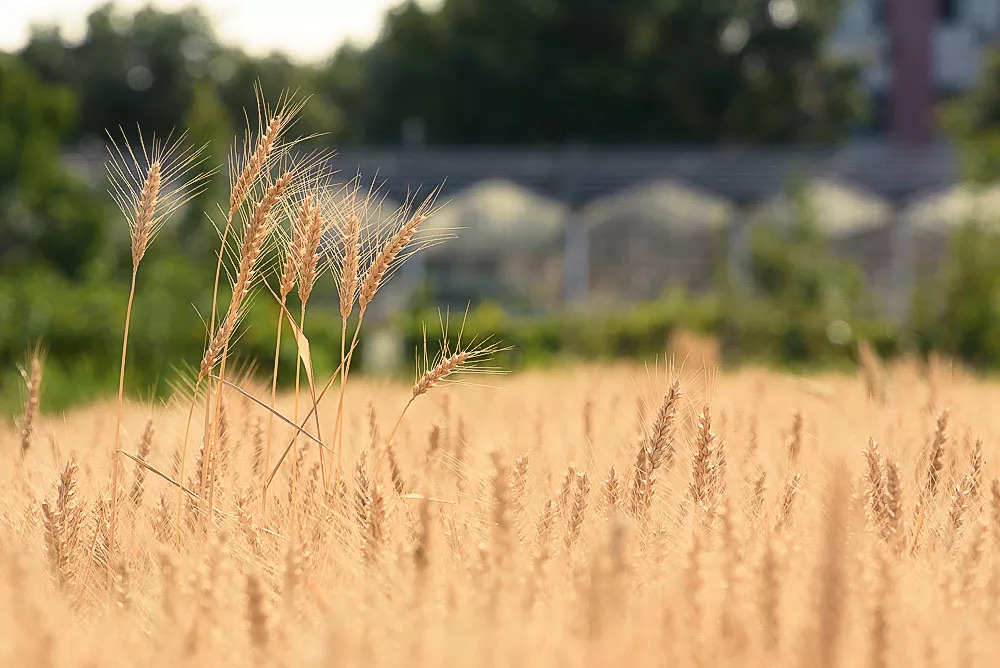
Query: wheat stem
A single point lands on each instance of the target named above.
(270, 416)
(115, 466)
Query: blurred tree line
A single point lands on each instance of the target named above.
(481, 71)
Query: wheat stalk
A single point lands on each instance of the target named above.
(257, 231)
(934, 465)
(291, 270)
(62, 521)
(33, 386)
(307, 234)
(656, 450)
(171, 178)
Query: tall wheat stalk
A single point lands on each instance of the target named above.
(285, 286)
(311, 226)
(247, 166)
(347, 291)
(147, 188)
(256, 234)
(382, 263)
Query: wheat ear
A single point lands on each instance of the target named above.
(347, 290)
(462, 360)
(285, 286)
(309, 230)
(385, 258)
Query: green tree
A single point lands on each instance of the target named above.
(128, 70)
(973, 120)
(959, 312)
(47, 214)
(208, 124)
(612, 70)
(803, 303)
(150, 67)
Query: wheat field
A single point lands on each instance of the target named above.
(663, 514)
(515, 526)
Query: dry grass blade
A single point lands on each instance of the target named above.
(297, 427)
(152, 469)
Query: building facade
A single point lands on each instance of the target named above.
(914, 53)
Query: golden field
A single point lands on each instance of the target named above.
(604, 515)
(771, 532)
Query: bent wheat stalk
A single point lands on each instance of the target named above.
(244, 171)
(256, 234)
(462, 360)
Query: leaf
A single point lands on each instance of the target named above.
(302, 343)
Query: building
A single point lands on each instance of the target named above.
(652, 236)
(914, 53)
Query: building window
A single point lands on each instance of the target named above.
(948, 11)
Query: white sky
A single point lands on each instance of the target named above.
(303, 29)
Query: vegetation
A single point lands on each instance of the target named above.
(958, 314)
(601, 70)
(604, 514)
(607, 70)
(741, 518)
(973, 121)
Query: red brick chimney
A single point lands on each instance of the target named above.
(911, 106)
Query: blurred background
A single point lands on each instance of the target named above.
(774, 179)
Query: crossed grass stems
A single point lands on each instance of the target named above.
(331, 229)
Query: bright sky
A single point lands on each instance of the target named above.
(304, 29)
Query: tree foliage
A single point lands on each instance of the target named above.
(150, 68)
(606, 70)
(524, 71)
(973, 120)
(47, 214)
